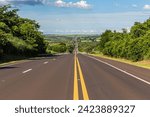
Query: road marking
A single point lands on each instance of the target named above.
(84, 90)
(45, 62)
(136, 77)
(76, 94)
(26, 71)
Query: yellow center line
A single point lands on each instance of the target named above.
(83, 86)
(76, 94)
(84, 89)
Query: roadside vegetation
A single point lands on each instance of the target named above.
(60, 43)
(133, 45)
(19, 37)
(88, 44)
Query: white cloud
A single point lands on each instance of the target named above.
(3, 2)
(147, 7)
(80, 4)
(61, 3)
(28, 2)
(58, 3)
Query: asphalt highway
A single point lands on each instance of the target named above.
(73, 77)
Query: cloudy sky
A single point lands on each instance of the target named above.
(82, 16)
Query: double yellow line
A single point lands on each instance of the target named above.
(83, 86)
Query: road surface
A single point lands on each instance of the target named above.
(73, 77)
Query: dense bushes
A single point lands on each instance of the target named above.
(87, 47)
(70, 48)
(19, 36)
(134, 46)
(88, 44)
(60, 48)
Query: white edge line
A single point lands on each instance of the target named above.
(136, 77)
(26, 71)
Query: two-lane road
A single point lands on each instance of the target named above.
(68, 77)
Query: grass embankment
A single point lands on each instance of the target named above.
(143, 64)
(10, 59)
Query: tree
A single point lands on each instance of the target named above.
(105, 37)
(134, 46)
(19, 36)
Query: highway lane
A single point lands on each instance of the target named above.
(139, 71)
(50, 78)
(68, 77)
(105, 82)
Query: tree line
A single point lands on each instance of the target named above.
(60, 47)
(133, 45)
(19, 36)
(60, 43)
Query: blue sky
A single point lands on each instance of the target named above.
(82, 16)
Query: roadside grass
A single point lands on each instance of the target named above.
(10, 59)
(143, 64)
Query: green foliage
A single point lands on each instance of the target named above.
(105, 37)
(60, 43)
(70, 48)
(134, 46)
(19, 36)
(60, 48)
(57, 48)
(88, 44)
(4, 27)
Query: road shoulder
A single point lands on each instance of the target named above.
(143, 64)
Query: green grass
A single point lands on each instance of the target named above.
(143, 64)
(12, 59)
